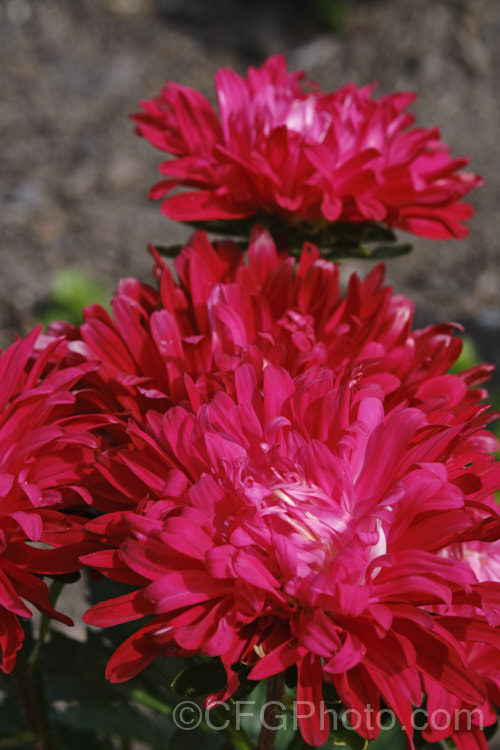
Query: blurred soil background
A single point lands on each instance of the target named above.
(74, 178)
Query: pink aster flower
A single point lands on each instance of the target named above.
(279, 147)
(49, 425)
(483, 557)
(299, 522)
(184, 340)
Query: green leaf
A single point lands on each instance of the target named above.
(115, 720)
(234, 227)
(335, 240)
(78, 739)
(169, 251)
(291, 677)
(200, 680)
(298, 743)
(18, 739)
(156, 680)
(196, 739)
(85, 680)
(246, 686)
(390, 251)
(144, 698)
(389, 738)
(330, 694)
(322, 233)
(357, 250)
(343, 734)
(372, 232)
(12, 719)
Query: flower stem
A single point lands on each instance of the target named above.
(55, 590)
(32, 704)
(275, 689)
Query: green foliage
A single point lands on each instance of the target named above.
(200, 680)
(71, 291)
(331, 14)
(335, 240)
(85, 710)
(389, 739)
(469, 356)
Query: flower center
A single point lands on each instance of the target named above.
(308, 511)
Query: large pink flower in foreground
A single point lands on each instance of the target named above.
(280, 147)
(302, 483)
(301, 523)
(49, 436)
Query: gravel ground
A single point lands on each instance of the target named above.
(75, 178)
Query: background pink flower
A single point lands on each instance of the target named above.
(279, 147)
(181, 342)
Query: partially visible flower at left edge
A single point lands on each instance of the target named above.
(50, 429)
(280, 150)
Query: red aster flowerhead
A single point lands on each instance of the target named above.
(470, 619)
(282, 152)
(298, 522)
(183, 341)
(49, 425)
